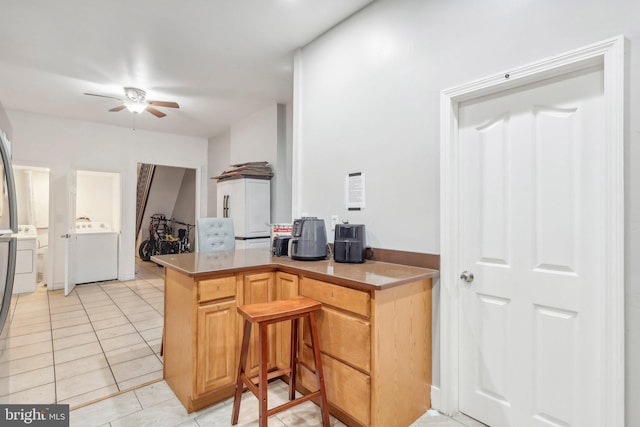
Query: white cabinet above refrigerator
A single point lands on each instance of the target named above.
(248, 202)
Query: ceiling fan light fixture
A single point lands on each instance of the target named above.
(135, 99)
(135, 107)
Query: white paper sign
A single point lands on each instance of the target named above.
(354, 191)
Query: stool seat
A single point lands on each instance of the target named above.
(278, 310)
(264, 314)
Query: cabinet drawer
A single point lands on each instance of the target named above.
(347, 388)
(337, 296)
(218, 288)
(344, 337)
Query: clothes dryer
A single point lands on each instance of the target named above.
(96, 252)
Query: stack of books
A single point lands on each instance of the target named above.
(260, 170)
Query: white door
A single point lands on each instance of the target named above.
(531, 233)
(70, 235)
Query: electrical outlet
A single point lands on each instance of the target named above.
(334, 220)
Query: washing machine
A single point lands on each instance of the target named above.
(26, 272)
(96, 252)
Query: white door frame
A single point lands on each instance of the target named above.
(610, 54)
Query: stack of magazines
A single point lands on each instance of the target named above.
(260, 170)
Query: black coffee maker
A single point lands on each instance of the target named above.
(349, 243)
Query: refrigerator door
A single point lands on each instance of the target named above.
(8, 251)
(8, 226)
(8, 205)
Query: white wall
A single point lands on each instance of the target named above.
(254, 138)
(185, 202)
(5, 123)
(367, 99)
(219, 159)
(98, 197)
(63, 145)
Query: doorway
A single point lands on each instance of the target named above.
(171, 200)
(515, 273)
(32, 193)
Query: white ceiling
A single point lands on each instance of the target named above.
(221, 60)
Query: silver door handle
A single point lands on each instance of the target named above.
(467, 276)
(66, 236)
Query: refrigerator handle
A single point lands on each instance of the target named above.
(8, 288)
(11, 185)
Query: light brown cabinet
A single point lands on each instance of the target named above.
(259, 287)
(286, 287)
(217, 364)
(375, 344)
(200, 337)
(376, 348)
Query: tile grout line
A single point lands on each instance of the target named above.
(133, 324)
(129, 320)
(104, 353)
(53, 352)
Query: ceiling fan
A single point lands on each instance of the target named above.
(135, 100)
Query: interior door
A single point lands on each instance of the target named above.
(70, 235)
(531, 211)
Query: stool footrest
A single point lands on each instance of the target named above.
(292, 403)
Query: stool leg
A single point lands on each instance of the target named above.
(293, 360)
(263, 385)
(315, 343)
(237, 398)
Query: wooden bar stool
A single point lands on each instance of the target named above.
(265, 314)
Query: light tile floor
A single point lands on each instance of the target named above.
(156, 405)
(101, 339)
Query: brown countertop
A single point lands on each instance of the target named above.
(371, 275)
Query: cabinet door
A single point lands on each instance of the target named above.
(286, 287)
(217, 346)
(258, 208)
(248, 203)
(259, 287)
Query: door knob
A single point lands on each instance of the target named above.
(467, 276)
(66, 236)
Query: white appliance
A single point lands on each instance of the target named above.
(96, 252)
(8, 227)
(26, 272)
(262, 243)
(248, 202)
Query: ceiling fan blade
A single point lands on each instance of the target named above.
(118, 108)
(165, 104)
(103, 96)
(158, 114)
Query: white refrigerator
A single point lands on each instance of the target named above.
(8, 228)
(248, 202)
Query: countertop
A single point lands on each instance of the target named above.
(370, 275)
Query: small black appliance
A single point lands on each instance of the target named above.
(280, 246)
(349, 243)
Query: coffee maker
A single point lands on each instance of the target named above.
(349, 243)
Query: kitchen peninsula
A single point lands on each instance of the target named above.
(375, 330)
